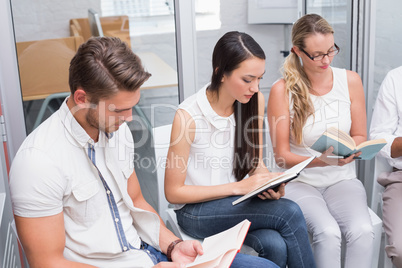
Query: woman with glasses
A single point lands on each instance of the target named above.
(311, 97)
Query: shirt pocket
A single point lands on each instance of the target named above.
(127, 172)
(126, 167)
(87, 203)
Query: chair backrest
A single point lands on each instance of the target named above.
(82, 26)
(74, 31)
(380, 165)
(161, 136)
(117, 26)
(268, 155)
(44, 65)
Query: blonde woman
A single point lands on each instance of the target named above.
(311, 97)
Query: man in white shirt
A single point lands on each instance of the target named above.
(76, 197)
(387, 123)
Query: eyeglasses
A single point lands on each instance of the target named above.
(332, 53)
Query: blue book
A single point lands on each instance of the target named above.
(344, 145)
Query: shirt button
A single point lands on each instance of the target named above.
(116, 220)
(108, 192)
(125, 248)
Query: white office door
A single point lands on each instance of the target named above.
(12, 132)
(10, 251)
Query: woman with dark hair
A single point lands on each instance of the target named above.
(215, 156)
(311, 97)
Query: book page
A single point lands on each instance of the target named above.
(341, 136)
(370, 150)
(324, 142)
(288, 175)
(271, 184)
(291, 171)
(371, 142)
(227, 259)
(222, 261)
(216, 246)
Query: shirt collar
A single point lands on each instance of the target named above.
(75, 130)
(216, 120)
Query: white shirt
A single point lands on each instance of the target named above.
(386, 122)
(52, 173)
(331, 110)
(211, 154)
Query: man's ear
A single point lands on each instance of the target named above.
(81, 97)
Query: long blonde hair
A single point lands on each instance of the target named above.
(297, 82)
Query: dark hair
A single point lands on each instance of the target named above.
(104, 65)
(230, 51)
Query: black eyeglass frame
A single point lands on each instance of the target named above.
(322, 55)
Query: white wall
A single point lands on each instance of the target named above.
(46, 19)
(234, 18)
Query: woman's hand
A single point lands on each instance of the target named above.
(256, 180)
(274, 194)
(329, 161)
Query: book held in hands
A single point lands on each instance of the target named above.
(287, 176)
(221, 249)
(344, 145)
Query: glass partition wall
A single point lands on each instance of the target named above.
(148, 26)
(49, 33)
(339, 14)
(388, 39)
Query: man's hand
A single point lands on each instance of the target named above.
(186, 251)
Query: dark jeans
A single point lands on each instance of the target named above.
(278, 230)
(240, 261)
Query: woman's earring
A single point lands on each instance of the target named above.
(301, 61)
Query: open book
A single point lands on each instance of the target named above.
(344, 145)
(287, 176)
(221, 249)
